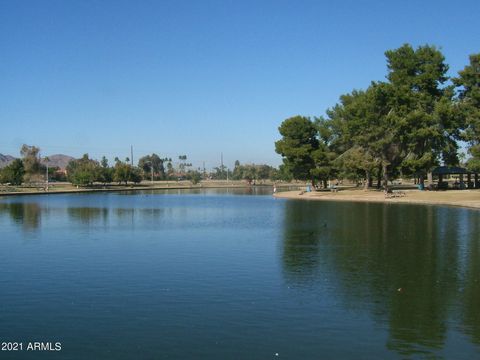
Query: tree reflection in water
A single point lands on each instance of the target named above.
(28, 215)
(402, 263)
(471, 291)
(88, 215)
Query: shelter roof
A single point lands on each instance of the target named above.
(446, 170)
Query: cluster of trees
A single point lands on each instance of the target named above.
(154, 165)
(86, 171)
(13, 173)
(405, 126)
(253, 172)
(248, 172)
(28, 169)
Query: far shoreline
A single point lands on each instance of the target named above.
(66, 188)
(469, 199)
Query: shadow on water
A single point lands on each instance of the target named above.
(471, 293)
(413, 268)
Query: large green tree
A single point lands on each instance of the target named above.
(361, 126)
(468, 83)
(83, 171)
(324, 156)
(357, 164)
(297, 146)
(31, 162)
(13, 173)
(104, 172)
(124, 172)
(146, 163)
(422, 107)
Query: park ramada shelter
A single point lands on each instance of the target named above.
(443, 171)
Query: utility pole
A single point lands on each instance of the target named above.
(221, 162)
(46, 176)
(131, 154)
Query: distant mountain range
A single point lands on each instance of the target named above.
(57, 160)
(5, 160)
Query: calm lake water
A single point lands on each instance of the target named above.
(237, 274)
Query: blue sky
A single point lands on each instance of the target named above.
(199, 77)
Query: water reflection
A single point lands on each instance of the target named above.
(27, 215)
(401, 263)
(302, 232)
(414, 270)
(88, 215)
(471, 292)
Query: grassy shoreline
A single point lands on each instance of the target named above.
(459, 198)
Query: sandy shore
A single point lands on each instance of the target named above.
(462, 198)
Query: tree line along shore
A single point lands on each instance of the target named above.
(404, 127)
(33, 171)
(66, 187)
